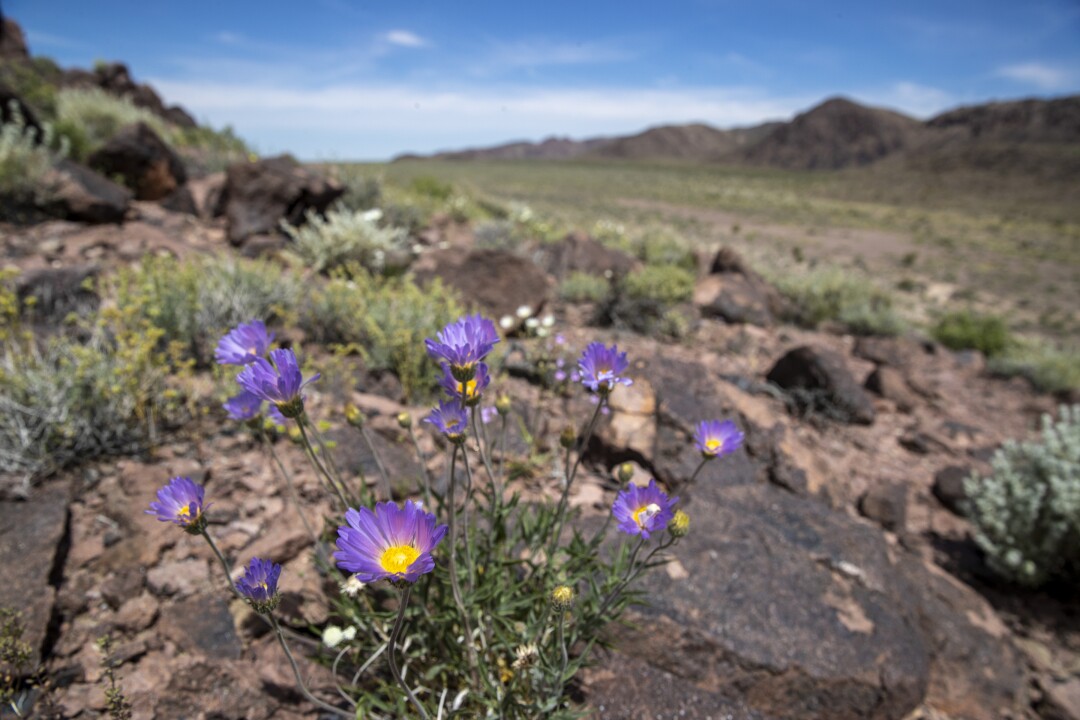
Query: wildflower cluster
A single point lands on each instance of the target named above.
(511, 604)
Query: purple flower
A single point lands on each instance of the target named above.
(243, 344)
(715, 439)
(467, 391)
(487, 414)
(244, 406)
(600, 367)
(391, 542)
(278, 381)
(643, 510)
(259, 584)
(463, 344)
(451, 420)
(180, 502)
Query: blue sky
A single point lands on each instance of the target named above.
(342, 79)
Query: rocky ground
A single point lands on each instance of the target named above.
(829, 572)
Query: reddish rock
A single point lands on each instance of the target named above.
(890, 384)
(147, 165)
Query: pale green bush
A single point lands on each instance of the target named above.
(25, 160)
(348, 236)
(89, 117)
(837, 295)
(1049, 368)
(1027, 511)
(584, 287)
(384, 319)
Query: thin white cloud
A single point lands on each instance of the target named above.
(538, 53)
(911, 98)
(1037, 74)
(380, 121)
(228, 38)
(405, 38)
(40, 39)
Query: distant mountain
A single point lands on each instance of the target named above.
(553, 148)
(837, 133)
(1039, 138)
(685, 142)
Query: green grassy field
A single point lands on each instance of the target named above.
(1000, 244)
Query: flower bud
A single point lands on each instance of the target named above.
(680, 524)
(502, 404)
(562, 598)
(568, 437)
(404, 420)
(625, 472)
(354, 416)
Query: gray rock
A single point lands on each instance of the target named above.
(81, 194)
(32, 537)
(496, 282)
(890, 384)
(885, 504)
(578, 252)
(948, 487)
(202, 626)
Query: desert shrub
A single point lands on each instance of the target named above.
(384, 319)
(25, 161)
(1048, 367)
(656, 247)
(1027, 511)
(193, 303)
(968, 330)
(497, 234)
(529, 225)
(9, 305)
(66, 400)
(35, 82)
(89, 117)
(362, 190)
(206, 150)
(348, 236)
(836, 295)
(584, 287)
(432, 187)
(642, 300)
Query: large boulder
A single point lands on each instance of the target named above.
(578, 252)
(81, 194)
(12, 41)
(734, 292)
(801, 612)
(32, 543)
(54, 292)
(497, 282)
(819, 380)
(145, 162)
(259, 195)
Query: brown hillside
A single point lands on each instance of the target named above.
(838, 133)
(689, 142)
(1039, 121)
(553, 148)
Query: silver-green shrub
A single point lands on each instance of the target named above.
(1027, 512)
(348, 236)
(25, 159)
(89, 117)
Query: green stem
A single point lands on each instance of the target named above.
(224, 563)
(560, 515)
(423, 469)
(392, 655)
(465, 518)
(455, 586)
(387, 490)
(698, 469)
(502, 444)
(319, 467)
(293, 494)
(300, 680)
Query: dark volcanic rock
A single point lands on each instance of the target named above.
(202, 626)
(801, 612)
(822, 382)
(12, 41)
(259, 195)
(948, 487)
(885, 504)
(115, 78)
(79, 193)
(897, 352)
(58, 291)
(890, 384)
(497, 282)
(32, 536)
(11, 105)
(147, 164)
(181, 200)
(733, 292)
(578, 252)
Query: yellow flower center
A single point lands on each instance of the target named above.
(398, 558)
(645, 513)
(253, 351)
(184, 514)
(712, 446)
(467, 389)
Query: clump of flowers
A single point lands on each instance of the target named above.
(500, 631)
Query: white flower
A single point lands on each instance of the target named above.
(351, 586)
(548, 321)
(506, 322)
(372, 215)
(524, 311)
(332, 636)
